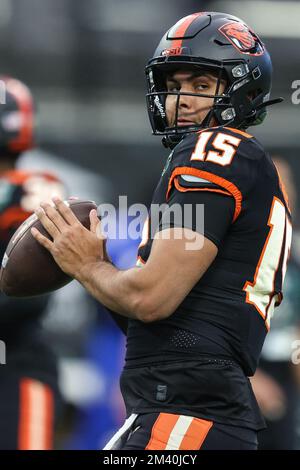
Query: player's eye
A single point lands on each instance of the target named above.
(201, 86)
(173, 86)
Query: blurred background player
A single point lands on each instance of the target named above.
(29, 397)
(67, 320)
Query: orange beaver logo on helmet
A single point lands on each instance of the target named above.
(242, 38)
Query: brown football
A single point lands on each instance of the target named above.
(28, 269)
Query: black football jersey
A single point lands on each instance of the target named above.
(226, 315)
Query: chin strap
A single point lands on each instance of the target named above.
(269, 103)
(253, 120)
(170, 141)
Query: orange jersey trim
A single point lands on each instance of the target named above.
(238, 131)
(212, 190)
(283, 190)
(229, 187)
(232, 129)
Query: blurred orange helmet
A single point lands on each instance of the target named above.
(16, 117)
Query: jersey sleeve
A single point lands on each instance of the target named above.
(209, 213)
(217, 160)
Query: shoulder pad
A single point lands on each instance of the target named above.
(227, 158)
(186, 182)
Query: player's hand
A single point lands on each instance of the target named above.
(73, 247)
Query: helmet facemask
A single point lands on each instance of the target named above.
(158, 93)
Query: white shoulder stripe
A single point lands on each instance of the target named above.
(194, 179)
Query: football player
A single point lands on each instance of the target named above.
(198, 312)
(28, 380)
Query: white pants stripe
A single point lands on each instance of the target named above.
(126, 426)
(178, 432)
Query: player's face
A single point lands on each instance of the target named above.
(192, 109)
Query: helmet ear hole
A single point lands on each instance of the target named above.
(253, 94)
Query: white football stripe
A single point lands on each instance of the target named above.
(178, 432)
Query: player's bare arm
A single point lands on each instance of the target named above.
(150, 293)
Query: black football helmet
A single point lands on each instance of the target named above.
(224, 45)
(16, 117)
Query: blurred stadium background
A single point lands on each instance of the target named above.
(84, 61)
